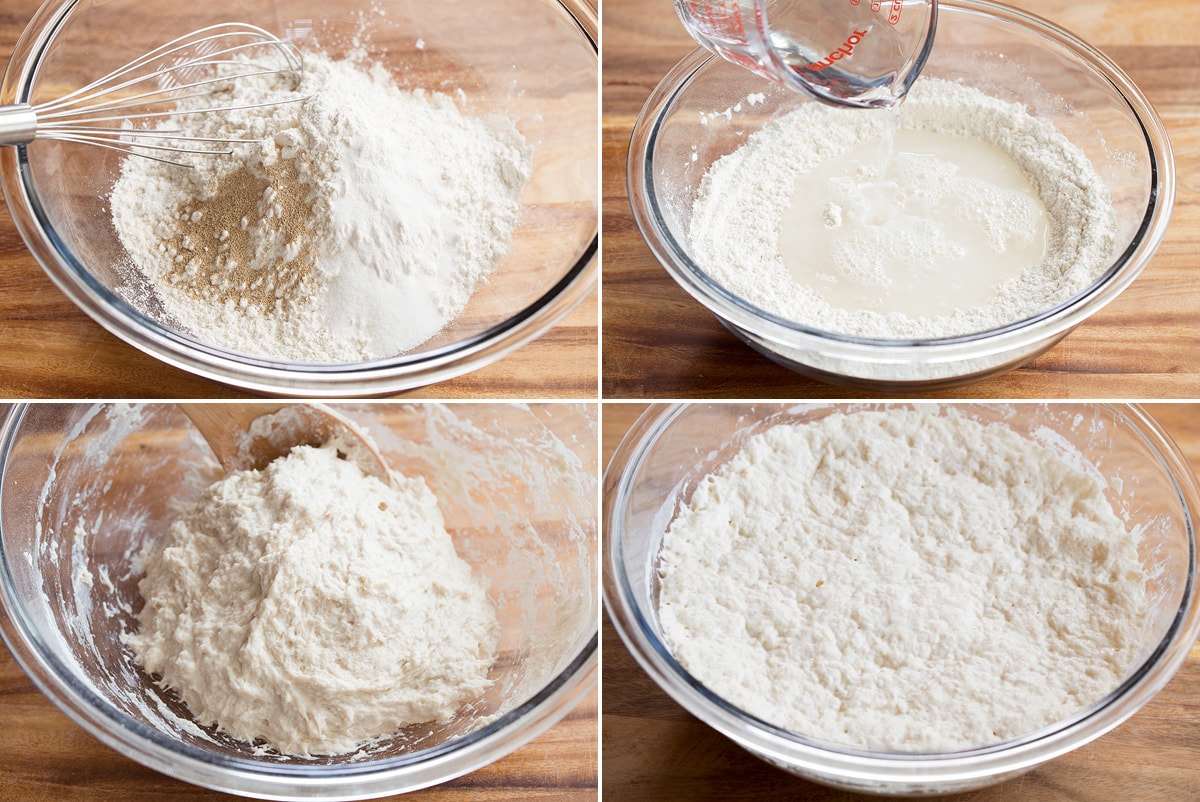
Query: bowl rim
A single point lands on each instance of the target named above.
(859, 767)
(791, 335)
(256, 373)
(268, 780)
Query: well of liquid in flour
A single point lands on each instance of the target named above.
(921, 224)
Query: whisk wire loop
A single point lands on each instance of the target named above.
(124, 148)
(138, 101)
(102, 87)
(201, 63)
(85, 124)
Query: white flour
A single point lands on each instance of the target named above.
(314, 608)
(742, 201)
(357, 229)
(902, 580)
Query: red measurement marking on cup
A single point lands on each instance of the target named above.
(723, 21)
(845, 51)
(721, 24)
(893, 11)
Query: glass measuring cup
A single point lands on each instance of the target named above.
(864, 53)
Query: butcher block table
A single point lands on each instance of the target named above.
(661, 343)
(51, 349)
(654, 750)
(45, 757)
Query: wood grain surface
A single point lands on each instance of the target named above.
(51, 349)
(660, 343)
(48, 758)
(654, 750)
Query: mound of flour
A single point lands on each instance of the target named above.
(356, 227)
(902, 580)
(314, 608)
(737, 214)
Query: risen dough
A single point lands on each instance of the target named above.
(902, 580)
(313, 608)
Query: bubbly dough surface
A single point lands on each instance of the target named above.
(902, 580)
(313, 608)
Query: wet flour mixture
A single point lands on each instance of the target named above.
(312, 608)
(902, 580)
(963, 214)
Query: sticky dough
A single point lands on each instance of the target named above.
(311, 608)
(902, 580)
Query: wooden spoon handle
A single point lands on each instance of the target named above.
(227, 429)
(224, 427)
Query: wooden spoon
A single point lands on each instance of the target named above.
(249, 436)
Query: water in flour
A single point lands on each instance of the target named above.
(356, 228)
(985, 216)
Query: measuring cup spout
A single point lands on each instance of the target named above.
(863, 53)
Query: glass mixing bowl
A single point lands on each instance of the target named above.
(535, 63)
(701, 111)
(516, 486)
(1147, 482)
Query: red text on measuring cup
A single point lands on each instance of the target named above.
(845, 51)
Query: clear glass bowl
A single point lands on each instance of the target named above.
(536, 64)
(516, 486)
(670, 448)
(1001, 51)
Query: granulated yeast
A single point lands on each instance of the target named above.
(215, 250)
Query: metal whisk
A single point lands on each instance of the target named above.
(194, 65)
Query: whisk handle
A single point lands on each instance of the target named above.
(18, 124)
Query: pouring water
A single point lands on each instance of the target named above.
(863, 53)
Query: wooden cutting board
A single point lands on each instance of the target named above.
(51, 349)
(661, 343)
(46, 757)
(654, 750)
